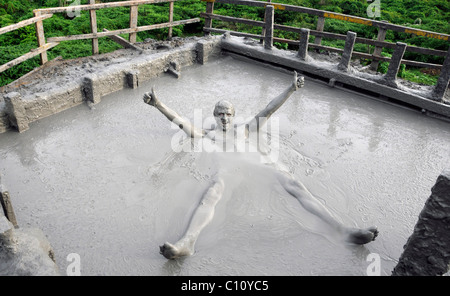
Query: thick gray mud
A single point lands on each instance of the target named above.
(106, 184)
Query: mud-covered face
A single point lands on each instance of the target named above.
(224, 117)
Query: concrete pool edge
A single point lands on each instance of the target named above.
(372, 86)
(17, 111)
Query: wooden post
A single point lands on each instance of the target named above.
(93, 17)
(170, 19)
(208, 21)
(133, 22)
(268, 36)
(320, 25)
(378, 49)
(40, 37)
(263, 32)
(442, 84)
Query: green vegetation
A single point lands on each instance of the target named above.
(431, 15)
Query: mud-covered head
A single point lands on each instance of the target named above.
(224, 113)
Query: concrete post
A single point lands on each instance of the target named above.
(303, 48)
(89, 89)
(427, 251)
(268, 36)
(443, 80)
(132, 78)
(348, 50)
(16, 111)
(390, 77)
(202, 55)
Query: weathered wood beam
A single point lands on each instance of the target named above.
(100, 6)
(32, 53)
(122, 31)
(123, 42)
(24, 23)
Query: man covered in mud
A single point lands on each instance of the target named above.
(225, 132)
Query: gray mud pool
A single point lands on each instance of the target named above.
(105, 183)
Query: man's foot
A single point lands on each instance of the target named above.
(361, 236)
(171, 252)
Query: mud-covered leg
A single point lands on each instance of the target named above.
(201, 217)
(310, 203)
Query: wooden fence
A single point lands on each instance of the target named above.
(45, 13)
(43, 45)
(379, 44)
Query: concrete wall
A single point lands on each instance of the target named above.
(24, 252)
(18, 112)
(427, 251)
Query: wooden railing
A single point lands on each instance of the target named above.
(34, 52)
(379, 44)
(42, 14)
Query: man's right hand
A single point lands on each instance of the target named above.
(299, 82)
(150, 98)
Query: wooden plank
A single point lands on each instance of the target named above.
(41, 37)
(133, 23)
(233, 19)
(93, 18)
(319, 28)
(170, 19)
(24, 23)
(208, 20)
(27, 56)
(100, 6)
(378, 49)
(123, 42)
(278, 6)
(234, 33)
(122, 31)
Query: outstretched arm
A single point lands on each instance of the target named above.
(151, 99)
(261, 118)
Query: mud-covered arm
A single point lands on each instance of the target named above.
(261, 118)
(151, 99)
